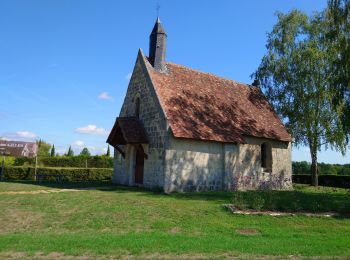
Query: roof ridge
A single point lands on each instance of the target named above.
(210, 74)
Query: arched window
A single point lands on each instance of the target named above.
(137, 107)
(266, 157)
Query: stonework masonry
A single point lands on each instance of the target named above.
(154, 121)
(193, 165)
(175, 164)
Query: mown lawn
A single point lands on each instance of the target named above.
(110, 221)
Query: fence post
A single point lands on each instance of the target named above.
(2, 168)
(36, 165)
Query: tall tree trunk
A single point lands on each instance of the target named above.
(314, 178)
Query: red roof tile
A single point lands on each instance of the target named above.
(207, 107)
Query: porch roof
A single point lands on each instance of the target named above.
(127, 130)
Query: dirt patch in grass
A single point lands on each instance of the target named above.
(38, 191)
(248, 231)
(42, 256)
(19, 219)
(175, 230)
(13, 255)
(51, 191)
(58, 255)
(127, 256)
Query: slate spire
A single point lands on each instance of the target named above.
(157, 46)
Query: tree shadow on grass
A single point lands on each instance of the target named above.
(298, 200)
(294, 201)
(273, 200)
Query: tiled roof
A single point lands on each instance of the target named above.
(207, 107)
(127, 130)
(18, 148)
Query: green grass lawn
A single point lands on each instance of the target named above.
(117, 221)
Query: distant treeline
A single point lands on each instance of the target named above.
(323, 168)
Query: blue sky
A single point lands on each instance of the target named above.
(65, 64)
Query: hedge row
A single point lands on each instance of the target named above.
(97, 161)
(57, 174)
(339, 181)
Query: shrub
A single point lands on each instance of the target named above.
(258, 202)
(239, 201)
(24, 161)
(18, 173)
(58, 174)
(9, 161)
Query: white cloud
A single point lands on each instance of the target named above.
(61, 151)
(97, 150)
(104, 96)
(92, 130)
(128, 76)
(26, 134)
(78, 143)
(19, 136)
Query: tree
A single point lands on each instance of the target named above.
(294, 75)
(108, 152)
(301, 167)
(52, 153)
(85, 152)
(338, 40)
(70, 151)
(43, 148)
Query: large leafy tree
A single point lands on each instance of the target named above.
(294, 75)
(338, 40)
(43, 148)
(85, 152)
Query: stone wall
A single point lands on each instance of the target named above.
(193, 165)
(152, 116)
(282, 164)
(201, 165)
(119, 174)
(243, 166)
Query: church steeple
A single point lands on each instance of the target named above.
(157, 46)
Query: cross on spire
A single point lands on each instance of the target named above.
(158, 8)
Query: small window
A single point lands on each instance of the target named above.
(263, 155)
(137, 108)
(266, 157)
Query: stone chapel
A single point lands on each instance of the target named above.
(181, 129)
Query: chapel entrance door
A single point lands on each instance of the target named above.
(139, 165)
